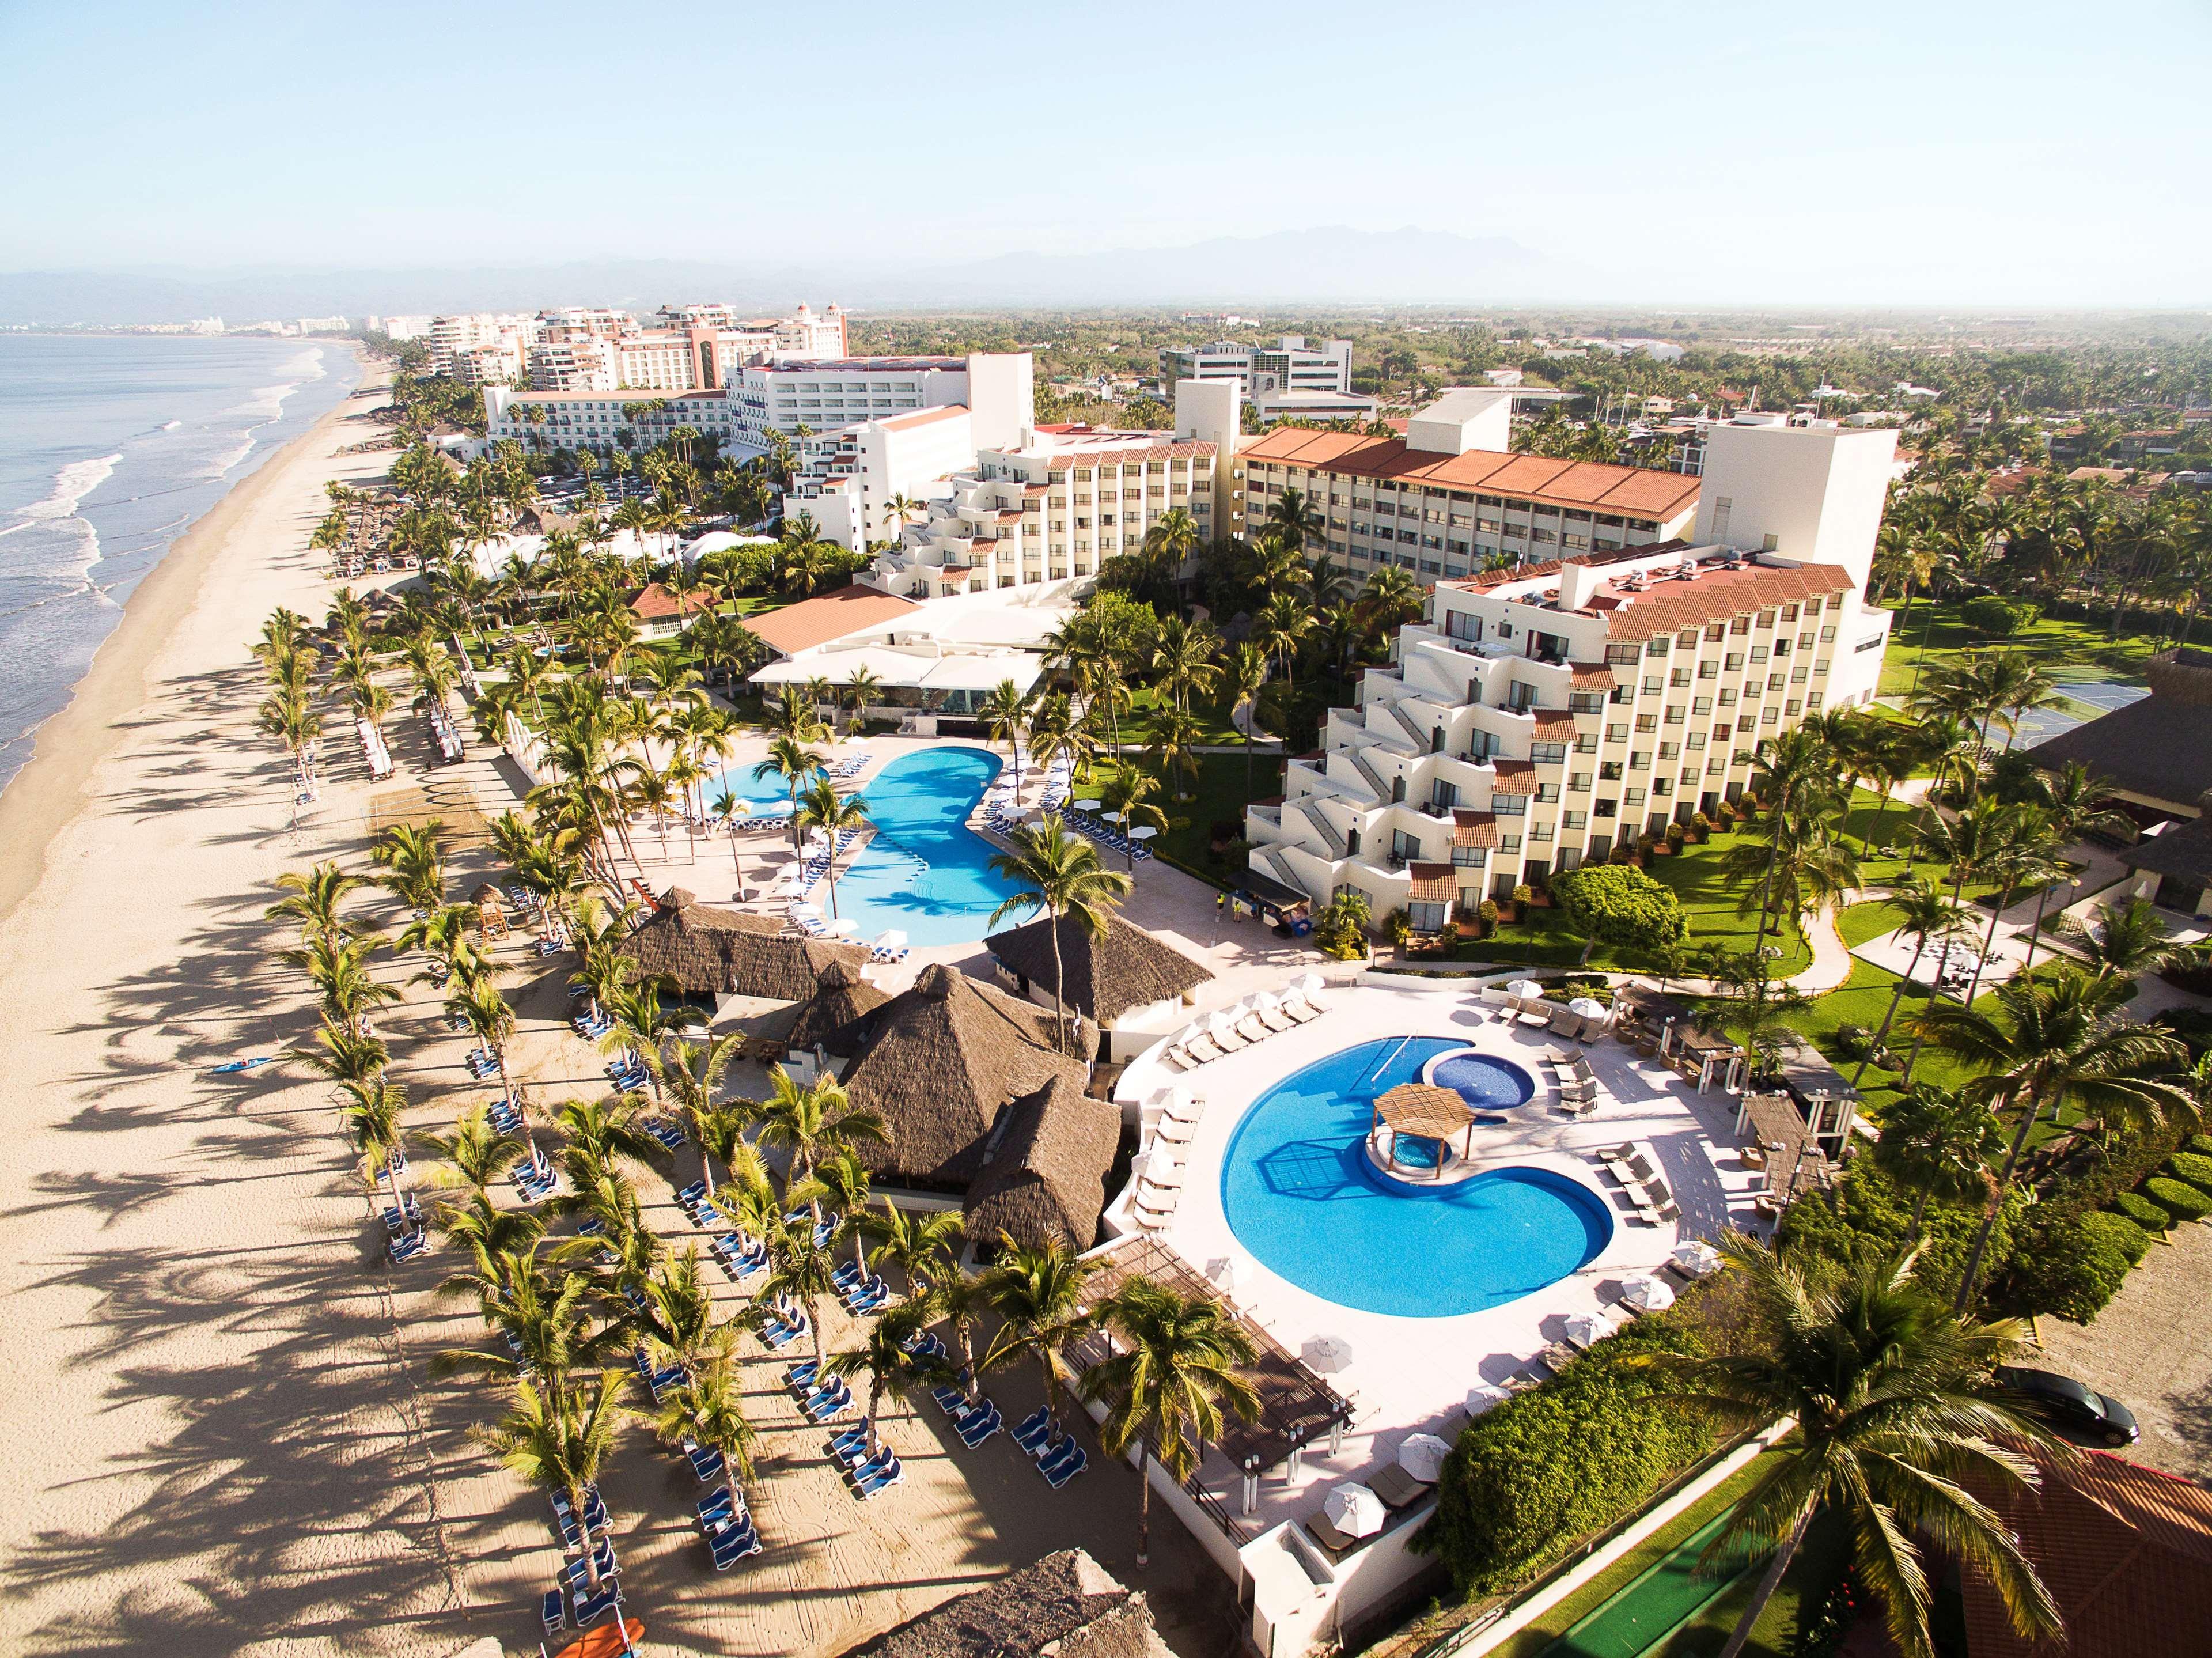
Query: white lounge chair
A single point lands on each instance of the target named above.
(1299, 1009)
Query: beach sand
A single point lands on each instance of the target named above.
(221, 1435)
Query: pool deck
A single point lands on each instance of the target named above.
(1410, 1374)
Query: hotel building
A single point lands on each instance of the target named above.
(594, 419)
(1289, 365)
(1541, 715)
(1049, 507)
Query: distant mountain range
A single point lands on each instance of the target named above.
(1331, 263)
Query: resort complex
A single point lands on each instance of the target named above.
(808, 1006)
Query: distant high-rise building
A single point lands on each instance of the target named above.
(1289, 365)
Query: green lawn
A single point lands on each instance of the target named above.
(2054, 644)
(1212, 717)
(1220, 795)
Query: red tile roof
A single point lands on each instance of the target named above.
(2126, 1551)
(656, 604)
(1432, 884)
(1589, 677)
(1668, 606)
(1474, 829)
(1632, 491)
(1515, 777)
(814, 621)
(1554, 722)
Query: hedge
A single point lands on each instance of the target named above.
(2192, 1166)
(2178, 1197)
(2143, 1212)
(1613, 904)
(2200, 1144)
(1534, 1474)
(2069, 1265)
(2121, 1233)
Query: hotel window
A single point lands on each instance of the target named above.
(1585, 701)
(1548, 793)
(1616, 731)
(1586, 743)
(1622, 654)
(1547, 753)
(1694, 740)
(1576, 820)
(1609, 772)
(1734, 663)
(1674, 715)
(1670, 750)
(1727, 699)
(1509, 806)
(1651, 684)
(1579, 781)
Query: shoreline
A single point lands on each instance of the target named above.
(46, 795)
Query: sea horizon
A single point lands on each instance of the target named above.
(111, 446)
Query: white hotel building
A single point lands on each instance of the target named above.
(1289, 365)
(1537, 717)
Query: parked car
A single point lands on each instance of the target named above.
(2072, 1406)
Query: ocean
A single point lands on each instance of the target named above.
(111, 446)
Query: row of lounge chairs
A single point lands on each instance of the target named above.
(1576, 1082)
(1641, 1180)
(1159, 1186)
(1057, 1456)
(374, 751)
(446, 736)
(1252, 1020)
(572, 1596)
(1098, 828)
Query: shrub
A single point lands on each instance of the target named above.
(1623, 907)
(1487, 913)
(1703, 824)
(1676, 835)
(1855, 1040)
(2178, 1198)
(1399, 925)
(2143, 1212)
(1341, 932)
(1524, 894)
(2068, 1265)
(2122, 1234)
(1999, 618)
(2200, 1144)
(2192, 1166)
(1865, 1216)
(1534, 1474)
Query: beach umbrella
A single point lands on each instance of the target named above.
(1309, 984)
(1697, 1258)
(1647, 1293)
(1220, 1022)
(1482, 1395)
(1354, 1510)
(1587, 1008)
(1143, 832)
(845, 927)
(1221, 1273)
(1586, 1329)
(892, 940)
(1111, 816)
(1422, 1455)
(1326, 1354)
(1266, 1002)
(1527, 989)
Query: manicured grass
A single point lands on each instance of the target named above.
(1861, 922)
(1541, 1631)
(2053, 643)
(1220, 795)
(1825, 1553)
(1212, 717)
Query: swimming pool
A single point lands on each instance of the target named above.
(925, 871)
(1299, 1193)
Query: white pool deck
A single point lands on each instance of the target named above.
(1409, 1375)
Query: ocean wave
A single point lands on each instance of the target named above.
(71, 485)
(171, 425)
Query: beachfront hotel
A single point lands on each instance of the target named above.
(1541, 714)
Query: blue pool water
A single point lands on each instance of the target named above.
(1299, 1193)
(925, 871)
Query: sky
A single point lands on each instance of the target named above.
(1941, 152)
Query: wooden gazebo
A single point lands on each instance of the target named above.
(491, 913)
(1428, 1111)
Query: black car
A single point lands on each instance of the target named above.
(2069, 1405)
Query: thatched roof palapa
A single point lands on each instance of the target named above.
(709, 952)
(842, 997)
(1067, 1604)
(938, 1063)
(1044, 1171)
(1104, 978)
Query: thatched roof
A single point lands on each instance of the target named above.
(1104, 977)
(1067, 1604)
(721, 952)
(843, 997)
(1044, 1175)
(938, 1063)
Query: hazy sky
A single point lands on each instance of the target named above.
(1938, 151)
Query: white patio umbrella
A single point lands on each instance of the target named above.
(1423, 1455)
(1525, 989)
(1266, 1002)
(1309, 984)
(1585, 1329)
(892, 940)
(1697, 1258)
(1221, 1273)
(1647, 1293)
(1353, 1509)
(1482, 1395)
(844, 926)
(1143, 832)
(1326, 1354)
(1220, 1022)
(1586, 1008)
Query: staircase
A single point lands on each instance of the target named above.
(1420, 738)
(1380, 783)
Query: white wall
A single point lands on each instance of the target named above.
(1207, 411)
(1001, 399)
(1453, 425)
(1817, 490)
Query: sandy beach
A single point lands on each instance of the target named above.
(222, 1437)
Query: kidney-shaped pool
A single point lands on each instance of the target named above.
(1301, 1195)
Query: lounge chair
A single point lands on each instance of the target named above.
(1397, 1488)
(717, 1511)
(1299, 1008)
(882, 1480)
(1172, 1132)
(1565, 1021)
(726, 1548)
(1205, 1049)
(553, 1611)
(1535, 1015)
(1228, 1040)
(591, 1607)
(1253, 1028)
(1033, 1433)
(1063, 1465)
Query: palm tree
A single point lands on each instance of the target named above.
(313, 900)
(2055, 1044)
(1059, 874)
(693, 1071)
(961, 1299)
(679, 1309)
(843, 1180)
(1005, 714)
(862, 688)
(337, 967)
(836, 816)
(1041, 1293)
(1927, 914)
(558, 1435)
(643, 1025)
(372, 1109)
(414, 858)
(1179, 1363)
(1129, 792)
(804, 1271)
(813, 1121)
(708, 1410)
(1293, 518)
(789, 758)
(1182, 658)
(2125, 942)
(1894, 1412)
(1173, 745)
(477, 1003)
(475, 1153)
(1248, 676)
(2073, 805)
(919, 1243)
(1933, 1141)
(889, 1368)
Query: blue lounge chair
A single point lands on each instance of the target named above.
(890, 1474)
(800, 1376)
(577, 1575)
(1058, 1469)
(949, 1400)
(589, 1608)
(553, 1611)
(707, 1464)
(727, 1547)
(1034, 1431)
(716, 1511)
(977, 1429)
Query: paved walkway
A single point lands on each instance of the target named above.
(2152, 1350)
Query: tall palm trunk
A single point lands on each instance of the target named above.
(1144, 1503)
(1769, 1581)
(1997, 1190)
(1059, 980)
(1895, 997)
(2035, 933)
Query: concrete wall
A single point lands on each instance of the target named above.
(1001, 399)
(1817, 491)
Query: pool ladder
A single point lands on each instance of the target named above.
(1384, 1063)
